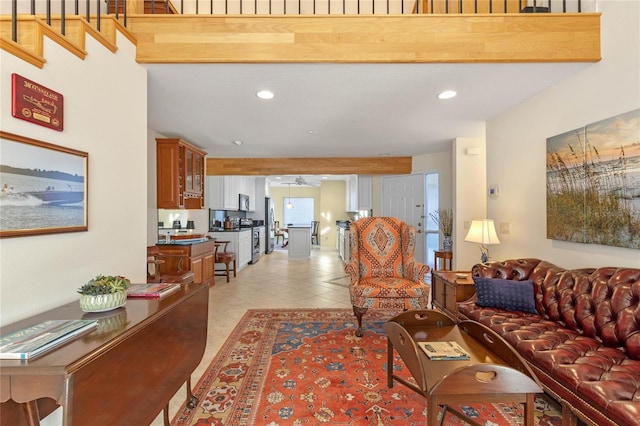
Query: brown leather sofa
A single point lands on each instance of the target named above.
(584, 343)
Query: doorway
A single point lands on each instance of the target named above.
(404, 197)
(410, 198)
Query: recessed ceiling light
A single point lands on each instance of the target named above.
(447, 94)
(312, 132)
(265, 94)
(237, 143)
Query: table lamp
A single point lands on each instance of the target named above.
(483, 232)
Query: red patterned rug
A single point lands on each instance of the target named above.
(307, 367)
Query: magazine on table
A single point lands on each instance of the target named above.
(443, 351)
(154, 290)
(41, 337)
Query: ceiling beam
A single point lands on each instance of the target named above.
(415, 38)
(308, 166)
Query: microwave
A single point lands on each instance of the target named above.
(244, 203)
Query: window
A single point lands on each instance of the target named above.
(300, 213)
(431, 232)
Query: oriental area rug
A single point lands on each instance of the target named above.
(307, 367)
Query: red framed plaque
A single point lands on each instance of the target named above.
(35, 103)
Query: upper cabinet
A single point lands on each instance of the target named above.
(359, 193)
(223, 192)
(365, 192)
(180, 174)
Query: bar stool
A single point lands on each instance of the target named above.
(225, 257)
(446, 256)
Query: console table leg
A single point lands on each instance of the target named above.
(389, 363)
(192, 401)
(166, 415)
(31, 412)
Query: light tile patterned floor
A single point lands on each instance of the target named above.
(273, 282)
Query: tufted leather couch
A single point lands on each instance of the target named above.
(585, 343)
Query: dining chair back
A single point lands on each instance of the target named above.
(278, 232)
(315, 224)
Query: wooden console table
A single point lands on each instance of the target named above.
(123, 372)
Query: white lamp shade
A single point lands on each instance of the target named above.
(482, 231)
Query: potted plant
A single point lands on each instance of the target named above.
(444, 220)
(103, 293)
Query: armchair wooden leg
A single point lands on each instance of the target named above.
(359, 312)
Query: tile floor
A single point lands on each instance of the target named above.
(273, 282)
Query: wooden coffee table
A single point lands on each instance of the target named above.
(494, 372)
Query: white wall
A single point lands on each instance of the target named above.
(516, 144)
(105, 108)
(470, 161)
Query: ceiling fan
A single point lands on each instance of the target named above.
(300, 181)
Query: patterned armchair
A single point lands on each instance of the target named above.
(384, 274)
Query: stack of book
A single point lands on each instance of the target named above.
(151, 291)
(42, 337)
(443, 351)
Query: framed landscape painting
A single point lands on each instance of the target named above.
(43, 187)
(593, 183)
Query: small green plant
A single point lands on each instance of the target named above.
(104, 284)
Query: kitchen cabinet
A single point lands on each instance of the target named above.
(365, 192)
(344, 247)
(240, 243)
(223, 192)
(352, 194)
(359, 193)
(180, 174)
(200, 259)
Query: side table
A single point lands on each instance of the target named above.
(448, 288)
(447, 260)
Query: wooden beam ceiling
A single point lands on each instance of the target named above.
(418, 38)
(308, 166)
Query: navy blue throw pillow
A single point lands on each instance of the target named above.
(505, 294)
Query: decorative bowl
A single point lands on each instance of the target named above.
(103, 302)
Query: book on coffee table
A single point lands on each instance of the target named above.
(41, 337)
(151, 291)
(443, 351)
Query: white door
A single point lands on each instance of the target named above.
(403, 198)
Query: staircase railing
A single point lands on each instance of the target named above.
(92, 10)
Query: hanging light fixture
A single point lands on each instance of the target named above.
(289, 205)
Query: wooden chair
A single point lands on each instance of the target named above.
(161, 269)
(384, 273)
(278, 232)
(315, 224)
(226, 257)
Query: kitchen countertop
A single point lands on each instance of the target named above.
(183, 242)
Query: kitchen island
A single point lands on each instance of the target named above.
(299, 243)
(198, 256)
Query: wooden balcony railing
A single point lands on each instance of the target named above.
(92, 10)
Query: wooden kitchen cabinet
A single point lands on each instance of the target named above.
(448, 288)
(200, 259)
(180, 174)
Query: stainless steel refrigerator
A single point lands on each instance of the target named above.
(269, 224)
